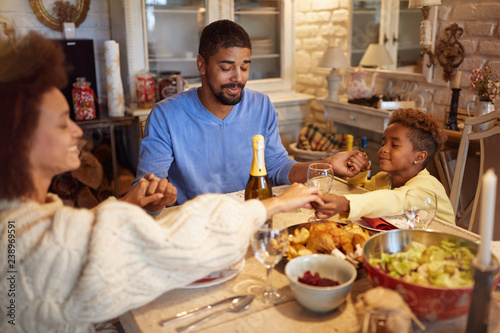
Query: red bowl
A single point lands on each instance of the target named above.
(428, 303)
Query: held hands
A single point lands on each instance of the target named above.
(297, 195)
(349, 163)
(152, 193)
(333, 204)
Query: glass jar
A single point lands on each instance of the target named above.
(169, 83)
(146, 90)
(83, 99)
(385, 311)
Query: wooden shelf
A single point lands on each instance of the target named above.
(110, 123)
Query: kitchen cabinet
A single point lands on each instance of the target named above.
(163, 36)
(391, 23)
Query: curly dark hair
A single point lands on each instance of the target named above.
(222, 34)
(426, 132)
(29, 68)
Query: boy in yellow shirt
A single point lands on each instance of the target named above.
(410, 142)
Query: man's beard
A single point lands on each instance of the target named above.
(228, 100)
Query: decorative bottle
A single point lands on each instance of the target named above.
(83, 99)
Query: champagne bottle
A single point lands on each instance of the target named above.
(258, 185)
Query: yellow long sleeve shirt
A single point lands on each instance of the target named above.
(382, 201)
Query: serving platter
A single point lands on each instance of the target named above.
(291, 229)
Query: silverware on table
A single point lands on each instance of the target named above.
(200, 310)
(237, 305)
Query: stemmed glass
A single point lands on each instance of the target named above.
(420, 208)
(320, 175)
(269, 244)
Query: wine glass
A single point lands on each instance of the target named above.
(320, 175)
(420, 208)
(269, 244)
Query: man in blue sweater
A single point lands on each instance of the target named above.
(201, 139)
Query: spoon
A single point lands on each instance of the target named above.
(237, 305)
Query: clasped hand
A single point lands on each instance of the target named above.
(348, 163)
(152, 193)
(332, 204)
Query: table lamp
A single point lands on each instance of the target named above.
(376, 55)
(335, 59)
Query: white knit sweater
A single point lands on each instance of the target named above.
(76, 267)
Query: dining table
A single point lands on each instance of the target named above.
(288, 315)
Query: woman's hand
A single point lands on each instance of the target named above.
(333, 204)
(152, 193)
(349, 163)
(297, 195)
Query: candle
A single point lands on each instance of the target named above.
(488, 194)
(458, 76)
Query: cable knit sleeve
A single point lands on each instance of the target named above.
(132, 259)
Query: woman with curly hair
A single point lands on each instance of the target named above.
(66, 269)
(410, 142)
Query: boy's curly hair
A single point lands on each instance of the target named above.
(426, 132)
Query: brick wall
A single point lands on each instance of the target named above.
(481, 38)
(320, 23)
(96, 26)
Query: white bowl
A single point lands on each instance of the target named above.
(320, 299)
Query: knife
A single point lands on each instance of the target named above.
(203, 309)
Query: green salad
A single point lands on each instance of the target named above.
(448, 265)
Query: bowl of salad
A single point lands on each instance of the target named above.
(432, 271)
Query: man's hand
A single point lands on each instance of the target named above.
(349, 163)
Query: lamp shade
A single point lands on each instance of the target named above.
(333, 58)
(376, 55)
(423, 3)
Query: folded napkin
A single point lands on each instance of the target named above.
(378, 223)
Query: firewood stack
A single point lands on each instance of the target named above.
(93, 181)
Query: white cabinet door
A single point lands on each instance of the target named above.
(387, 22)
(163, 36)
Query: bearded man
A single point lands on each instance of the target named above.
(201, 139)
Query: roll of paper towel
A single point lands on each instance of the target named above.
(114, 86)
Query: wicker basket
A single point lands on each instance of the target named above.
(302, 155)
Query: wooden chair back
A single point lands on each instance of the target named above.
(488, 139)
